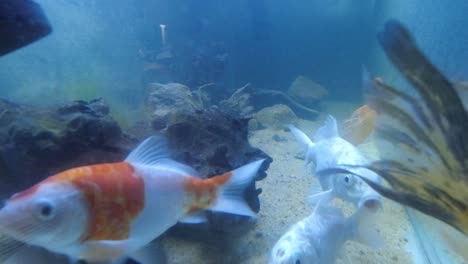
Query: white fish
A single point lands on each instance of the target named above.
(319, 238)
(106, 212)
(328, 150)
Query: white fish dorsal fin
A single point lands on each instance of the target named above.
(154, 151)
(329, 129)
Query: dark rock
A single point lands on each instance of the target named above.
(210, 94)
(8, 112)
(166, 99)
(213, 142)
(306, 91)
(39, 142)
(96, 107)
(276, 117)
(240, 104)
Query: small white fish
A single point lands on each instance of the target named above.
(106, 212)
(328, 151)
(319, 238)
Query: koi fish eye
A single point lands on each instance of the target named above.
(45, 210)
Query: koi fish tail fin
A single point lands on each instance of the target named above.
(231, 193)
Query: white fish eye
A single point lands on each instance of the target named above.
(45, 210)
(347, 179)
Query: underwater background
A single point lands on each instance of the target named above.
(114, 50)
(99, 47)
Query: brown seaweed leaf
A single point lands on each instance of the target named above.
(422, 136)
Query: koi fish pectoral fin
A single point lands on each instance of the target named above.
(152, 253)
(98, 251)
(8, 247)
(24, 253)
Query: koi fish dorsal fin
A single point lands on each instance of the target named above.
(154, 151)
(329, 129)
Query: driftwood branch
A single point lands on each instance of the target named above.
(200, 88)
(288, 98)
(238, 91)
(260, 92)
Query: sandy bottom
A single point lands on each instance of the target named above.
(284, 202)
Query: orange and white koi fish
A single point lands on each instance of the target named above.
(106, 212)
(360, 125)
(363, 120)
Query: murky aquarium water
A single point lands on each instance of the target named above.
(222, 131)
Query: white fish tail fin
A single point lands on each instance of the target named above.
(363, 222)
(329, 129)
(230, 196)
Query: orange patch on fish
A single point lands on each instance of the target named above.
(115, 196)
(361, 124)
(204, 190)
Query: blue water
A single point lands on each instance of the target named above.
(109, 49)
(96, 43)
